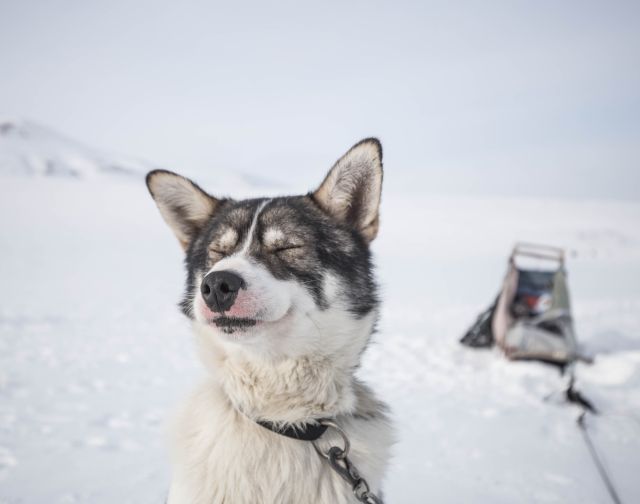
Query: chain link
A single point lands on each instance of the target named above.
(339, 461)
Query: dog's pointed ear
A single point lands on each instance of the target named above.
(351, 190)
(184, 206)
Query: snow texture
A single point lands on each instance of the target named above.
(94, 354)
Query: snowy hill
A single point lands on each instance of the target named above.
(27, 148)
(30, 149)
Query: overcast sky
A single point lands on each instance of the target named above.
(524, 98)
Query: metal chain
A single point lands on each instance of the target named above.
(339, 461)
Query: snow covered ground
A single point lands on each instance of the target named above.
(94, 354)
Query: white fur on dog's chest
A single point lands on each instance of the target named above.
(221, 456)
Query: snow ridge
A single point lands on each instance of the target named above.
(30, 149)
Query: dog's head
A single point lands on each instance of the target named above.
(285, 276)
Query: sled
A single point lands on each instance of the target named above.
(531, 317)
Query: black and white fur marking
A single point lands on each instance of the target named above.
(283, 302)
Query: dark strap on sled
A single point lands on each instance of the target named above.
(307, 432)
(480, 334)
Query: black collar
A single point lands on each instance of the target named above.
(307, 432)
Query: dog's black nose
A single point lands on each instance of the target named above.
(220, 289)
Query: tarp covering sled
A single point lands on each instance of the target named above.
(531, 317)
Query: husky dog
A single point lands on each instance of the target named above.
(283, 302)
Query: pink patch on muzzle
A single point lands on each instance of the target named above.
(244, 306)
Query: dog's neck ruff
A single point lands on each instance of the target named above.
(305, 432)
(284, 392)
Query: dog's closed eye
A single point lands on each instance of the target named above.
(224, 243)
(276, 241)
(218, 251)
(286, 248)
